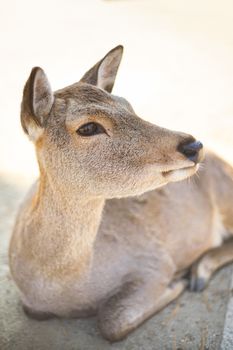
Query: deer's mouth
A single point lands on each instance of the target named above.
(173, 175)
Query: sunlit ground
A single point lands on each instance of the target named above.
(177, 69)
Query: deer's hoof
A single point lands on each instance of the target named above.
(197, 284)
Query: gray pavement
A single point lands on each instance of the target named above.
(227, 339)
(194, 321)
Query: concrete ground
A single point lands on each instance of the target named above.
(194, 321)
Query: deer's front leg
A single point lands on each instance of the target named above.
(135, 303)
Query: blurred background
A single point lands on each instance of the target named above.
(177, 69)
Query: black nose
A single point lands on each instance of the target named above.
(191, 150)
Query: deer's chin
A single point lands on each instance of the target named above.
(180, 174)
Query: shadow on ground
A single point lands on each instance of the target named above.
(194, 321)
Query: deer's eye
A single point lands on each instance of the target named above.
(90, 129)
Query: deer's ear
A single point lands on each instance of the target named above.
(103, 74)
(37, 102)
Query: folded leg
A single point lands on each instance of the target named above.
(132, 305)
(213, 260)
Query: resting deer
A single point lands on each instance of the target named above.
(82, 244)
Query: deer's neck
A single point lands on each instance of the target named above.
(69, 222)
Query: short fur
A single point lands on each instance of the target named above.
(77, 249)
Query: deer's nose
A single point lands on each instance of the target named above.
(191, 150)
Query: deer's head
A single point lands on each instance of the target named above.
(92, 141)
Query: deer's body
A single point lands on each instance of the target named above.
(75, 251)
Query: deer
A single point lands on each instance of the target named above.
(109, 229)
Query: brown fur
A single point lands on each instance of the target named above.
(75, 250)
